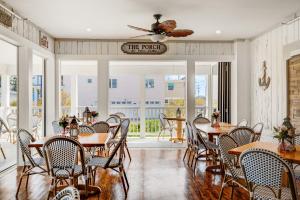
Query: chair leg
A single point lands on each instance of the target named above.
(159, 134)
(222, 189)
(126, 179)
(186, 150)
(2, 152)
(19, 185)
(123, 181)
(128, 151)
(27, 179)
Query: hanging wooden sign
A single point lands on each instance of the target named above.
(144, 48)
(43, 40)
(5, 18)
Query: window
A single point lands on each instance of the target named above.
(170, 86)
(89, 80)
(149, 83)
(113, 83)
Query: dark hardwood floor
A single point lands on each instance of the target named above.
(153, 174)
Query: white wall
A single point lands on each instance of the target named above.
(270, 106)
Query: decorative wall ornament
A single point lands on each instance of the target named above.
(43, 40)
(5, 18)
(144, 48)
(265, 80)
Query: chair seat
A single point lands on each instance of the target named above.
(101, 161)
(38, 160)
(67, 172)
(261, 192)
(238, 171)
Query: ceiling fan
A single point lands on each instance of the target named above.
(161, 31)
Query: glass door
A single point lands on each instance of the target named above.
(8, 104)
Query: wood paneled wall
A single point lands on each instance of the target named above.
(269, 106)
(29, 31)
(102, 47)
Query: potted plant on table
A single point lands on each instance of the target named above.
(94, 114)
(64, 122)
(215, 119)
(285, 137)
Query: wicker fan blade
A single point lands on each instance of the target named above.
(140, 36)
(167, 26)
(139, 29)
(180, 33)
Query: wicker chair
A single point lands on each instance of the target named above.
(114, 130)
(4, 129)
(242, 135)
(11, 120)
(202, 145)
(101, 127)
(69, 193)
(31, 163)
(86, 129)
(165, 125)
(189, 141)
(112, 162)
(233, 175)
(264, 172)
(61, 155)
(57, 128)
(36, 124)
(243, 122)
(258, 128)
(120, 114)
(200, 120)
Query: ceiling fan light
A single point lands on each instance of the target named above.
(158, 38)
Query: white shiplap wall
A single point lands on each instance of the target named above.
(29, 31)
(113, 48)
(269, 106)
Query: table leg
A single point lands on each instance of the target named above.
(179, 134)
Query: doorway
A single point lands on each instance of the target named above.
(293, 84)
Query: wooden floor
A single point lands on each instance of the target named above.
(153, 174)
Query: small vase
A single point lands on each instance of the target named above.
(281, 146)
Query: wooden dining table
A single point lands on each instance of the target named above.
(85, 139)
(293, 156)
(215, 132)
(179, 132)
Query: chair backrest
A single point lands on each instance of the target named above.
(25, 138)
(265, 168)
(68, 193)
(200, 120)
(121, 143)
(242, 135)
(113, 119)
(57, 128)
(226, 142)
(12, 120)
(258, 128)
(3, 126)
(62, 152)
(163, 121)
(120, 114)
(243, 122)
(198, 138)
(189, 133)
(86, 129)
(297, 139)
(101, 127)
(36, 121)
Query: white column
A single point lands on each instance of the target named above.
(25, 91)
(49, 94)
(190, 90)
(103, 78)
(240, 83)
(142, 106)
(74, 95)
